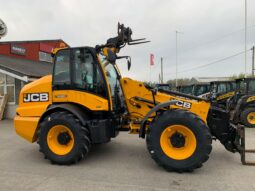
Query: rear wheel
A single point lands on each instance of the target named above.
(248, 117)
(178, 140)
(63, 139)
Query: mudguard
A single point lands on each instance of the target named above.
(154, 109)
(77, 111)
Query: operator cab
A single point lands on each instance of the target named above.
(78, 69)
(219, 88)
(200, 89)
(245, 86)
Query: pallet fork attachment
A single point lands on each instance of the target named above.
(241, 146)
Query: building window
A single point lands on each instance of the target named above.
(7, 86)
(46, 57)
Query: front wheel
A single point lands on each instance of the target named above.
(248, 117)
(63, 139)
(179, 140)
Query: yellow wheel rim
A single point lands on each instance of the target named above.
(60, 139)
(251, 118)
(180, 148)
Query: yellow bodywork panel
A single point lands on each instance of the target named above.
(35, 97)
(138, 109)
(34, 100)
(252, 98)
(26, 127)
(226, 95)
(90, 101)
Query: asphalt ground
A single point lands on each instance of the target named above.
(122, 164)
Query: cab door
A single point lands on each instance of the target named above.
(117, 97)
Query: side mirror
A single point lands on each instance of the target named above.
(128, 60)
(111, 56)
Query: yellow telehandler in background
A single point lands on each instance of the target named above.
(86, 101)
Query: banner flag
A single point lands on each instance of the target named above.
(151, 59)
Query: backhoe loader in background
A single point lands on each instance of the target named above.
(221, 91)
(86, 101)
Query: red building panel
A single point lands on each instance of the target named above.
(29, 49)
(44, 47)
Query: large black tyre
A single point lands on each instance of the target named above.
(175, 118)
(248, 117)
(81, 142)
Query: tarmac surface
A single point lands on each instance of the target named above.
(122, 164)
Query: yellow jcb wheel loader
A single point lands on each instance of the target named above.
(86, 101)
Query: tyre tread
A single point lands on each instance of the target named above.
(205, 129)
(84, 145)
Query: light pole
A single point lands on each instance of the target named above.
(161, 62)
(253, 52)
(245, 38)
(176, 56)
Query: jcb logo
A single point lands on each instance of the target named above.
(184, 104)
(36, 97)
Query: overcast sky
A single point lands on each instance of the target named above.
(212, 30)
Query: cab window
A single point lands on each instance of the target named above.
(62, 68)
(213, 87)
(86, 73)
(243, 87)
(222, 88)
(228, 88)
(200, 90)
(78, 70)
(112, 77)
(232, 86)
(114, 84)
(251, 88)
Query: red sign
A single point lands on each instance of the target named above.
(151, 59)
